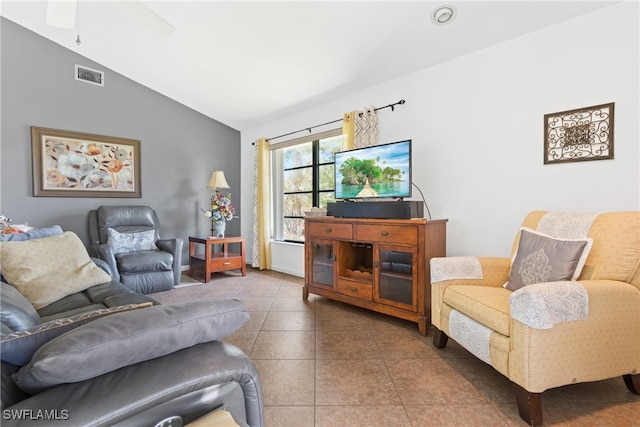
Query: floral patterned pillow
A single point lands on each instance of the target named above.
(131, 242)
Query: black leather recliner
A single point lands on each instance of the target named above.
(145, 271)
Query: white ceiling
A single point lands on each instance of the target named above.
(244, 63)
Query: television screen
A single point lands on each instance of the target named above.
(381, 171)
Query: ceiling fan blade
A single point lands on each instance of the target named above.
(147, 17)
(62, 13)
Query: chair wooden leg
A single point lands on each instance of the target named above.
(529, 405)
(632, 381)
(439, 338)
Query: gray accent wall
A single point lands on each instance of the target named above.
(179, 146)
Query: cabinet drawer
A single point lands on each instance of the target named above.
(331, 230)
(406, 235)
(355, 289)
(222, 263)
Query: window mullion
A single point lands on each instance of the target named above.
(316, 173)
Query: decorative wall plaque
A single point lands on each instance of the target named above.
(579, 135)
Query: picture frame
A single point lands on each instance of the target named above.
(76, 164)
(579, 135)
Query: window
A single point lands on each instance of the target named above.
(303, 177)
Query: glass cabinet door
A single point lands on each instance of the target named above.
(396, 278)
(322, 263)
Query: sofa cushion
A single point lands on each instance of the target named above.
(16, 312)
(63, 267)
(487, 305)
(112, 342)
(131, 242)
(18, 347)
(541, 258)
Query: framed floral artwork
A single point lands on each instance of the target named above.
(74, 164)
(579, 135)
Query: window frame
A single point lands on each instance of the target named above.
(277, 164)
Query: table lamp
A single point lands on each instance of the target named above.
(218, 181)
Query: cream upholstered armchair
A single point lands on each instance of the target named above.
(564, 309)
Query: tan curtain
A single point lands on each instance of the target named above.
(262, 210)
(347, 130)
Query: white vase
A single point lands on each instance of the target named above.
(217, 228)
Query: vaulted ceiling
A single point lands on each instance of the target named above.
(244, 63)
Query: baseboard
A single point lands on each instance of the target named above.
(289, 271)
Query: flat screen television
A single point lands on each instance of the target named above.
(380, 171)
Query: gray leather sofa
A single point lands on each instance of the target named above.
(140, 269)
(108, 356)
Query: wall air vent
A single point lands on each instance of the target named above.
(88, 75)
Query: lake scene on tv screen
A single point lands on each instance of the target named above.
(378, 171)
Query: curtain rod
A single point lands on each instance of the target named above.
(392, 106)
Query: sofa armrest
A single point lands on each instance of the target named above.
(604, 345)
(103, 265)
(474, 271)
(104, 252)
(188, 383)
(544, 305)
(174, 246)
(480, 271)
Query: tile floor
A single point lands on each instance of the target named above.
(325, 363)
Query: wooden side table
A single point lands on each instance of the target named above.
(216, 261)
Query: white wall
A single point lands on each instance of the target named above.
(477, 129)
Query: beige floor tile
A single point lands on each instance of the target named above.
(257, 304)
(431, 381)
(259, 291)
(369, 416)
(400, 342)
(289, 321)
(289, 416)
(331, 344)
(455, 415)
(292, 304)
(331, 320)
(287, 382)
(255, 321)
(354, 382)
(284, 345)
(290, 292)
(244, 340)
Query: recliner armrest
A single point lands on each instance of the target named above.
(170, 245)
(103, 265)
(173, 246)
(471, 271)
(104, 252)
(150, 391)
(478, 271)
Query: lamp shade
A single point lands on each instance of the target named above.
(218, 180)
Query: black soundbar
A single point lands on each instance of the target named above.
(378, 209)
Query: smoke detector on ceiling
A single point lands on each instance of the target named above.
(443, 15)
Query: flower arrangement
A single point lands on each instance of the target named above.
(222, 208)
